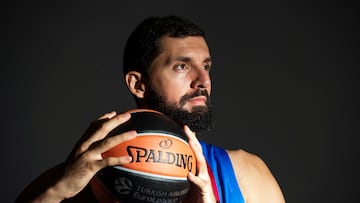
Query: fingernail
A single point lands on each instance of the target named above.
(132, 133)
(128, 158)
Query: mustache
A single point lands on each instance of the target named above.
(197, 93)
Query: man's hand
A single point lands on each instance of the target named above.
(86, 159)
(69, 178)
(201, 189)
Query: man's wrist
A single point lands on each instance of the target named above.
(53, 194)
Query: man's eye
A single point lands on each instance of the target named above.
(180, 67)
(207, 67)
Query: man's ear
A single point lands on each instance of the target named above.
(135, 82)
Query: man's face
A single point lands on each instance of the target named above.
(179, 82)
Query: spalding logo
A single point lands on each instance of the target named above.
(165, 143)
(139, 154)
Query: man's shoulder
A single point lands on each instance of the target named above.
(243, 156)
(254, 177)
(247, 162)
(243, 162)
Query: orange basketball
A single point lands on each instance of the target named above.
(161, 161)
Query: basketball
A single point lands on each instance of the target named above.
(161, 161)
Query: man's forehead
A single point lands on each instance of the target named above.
(169, 42)
(185, 47)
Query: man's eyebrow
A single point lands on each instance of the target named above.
(207, 60)
(185, 59)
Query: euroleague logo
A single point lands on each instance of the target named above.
(123, 185)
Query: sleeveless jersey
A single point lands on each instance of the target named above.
(222, 174)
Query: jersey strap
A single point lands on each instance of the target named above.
(213, 183)
(223, 173)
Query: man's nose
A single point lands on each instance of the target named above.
(201, 78)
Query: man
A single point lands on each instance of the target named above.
(166, 68)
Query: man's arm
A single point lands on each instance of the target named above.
(44, 187)
(256, 181)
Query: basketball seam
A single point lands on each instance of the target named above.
(161, 134)
(149, 174)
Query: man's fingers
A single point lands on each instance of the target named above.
(93, 156)
(192, 137)
(200, 160)
(114, 161)
(110, 142)
(107, 115)
(102, 127)
(107, 126)
(196, 147)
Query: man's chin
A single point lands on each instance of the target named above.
(197, 116)
(199, 119)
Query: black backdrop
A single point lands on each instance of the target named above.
(284, 84)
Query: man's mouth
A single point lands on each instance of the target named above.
(198, 100)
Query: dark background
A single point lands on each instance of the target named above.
(284, 84)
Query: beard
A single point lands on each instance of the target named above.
(199, 119)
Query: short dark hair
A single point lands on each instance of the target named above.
(143, 44)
